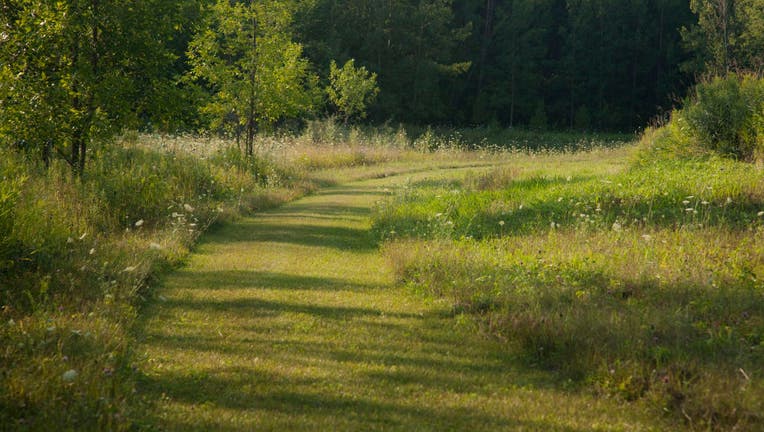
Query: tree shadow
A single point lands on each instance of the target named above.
(314, 235)
(243, 279)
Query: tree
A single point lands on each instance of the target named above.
(70, 71)
(728, 36)
(256, 73)
(351, 90)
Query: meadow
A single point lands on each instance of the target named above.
(633, 275)
(79, 259)
(623, 274)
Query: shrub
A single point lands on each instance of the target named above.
(724, 115)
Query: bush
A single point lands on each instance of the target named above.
(725, 115)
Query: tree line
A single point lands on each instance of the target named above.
(75, 71)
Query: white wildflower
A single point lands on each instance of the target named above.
(69, 375)
(188, 208)
(689, 209)
(139, 223)
(685, 202)
(760, 214)
(501, 222)
(92, 251)
(69, 240)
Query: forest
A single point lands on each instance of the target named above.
(75, 70)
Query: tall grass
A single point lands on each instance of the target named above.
(78, 258)
(644, 284)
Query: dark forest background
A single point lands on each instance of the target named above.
(542, 64)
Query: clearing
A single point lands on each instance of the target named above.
(291, 320)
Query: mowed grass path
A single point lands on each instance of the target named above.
(290, 321)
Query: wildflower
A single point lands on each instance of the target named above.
(69, 240)
(685, 202)
(617, 227)
(69, 375)
(501, 222)
(188, 208)
(704, 202)
(139, 223)
(92, 251)
(729, 200)
(689, 209)
(760, 214)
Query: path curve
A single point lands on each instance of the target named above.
(289, 320)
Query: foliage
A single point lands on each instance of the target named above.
(72, 72)
(256, 72)
(728, 35)
(724, 115)
(351, 89)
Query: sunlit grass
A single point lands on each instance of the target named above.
(290, 321)
(640, 281)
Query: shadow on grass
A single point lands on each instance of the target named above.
(242, 279)
(354, 413)
(271, 399)
(254, 306)
(307, 234)
(312, 360)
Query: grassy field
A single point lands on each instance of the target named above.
(421, 285)
(290, 320)
(635, 277)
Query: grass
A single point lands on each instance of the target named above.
(290, 320)
(79, 261)
(639, 279)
